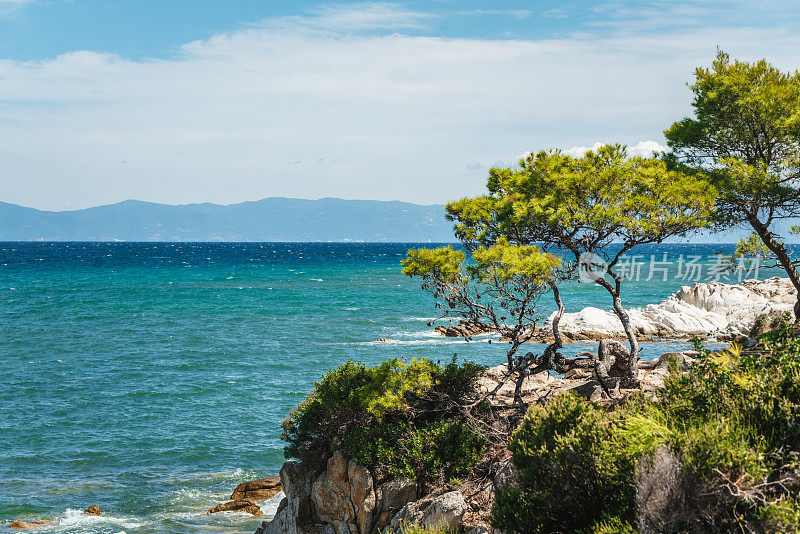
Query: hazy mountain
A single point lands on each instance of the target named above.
(270, 219)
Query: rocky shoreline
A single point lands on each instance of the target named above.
(343, 497)
(712, 310)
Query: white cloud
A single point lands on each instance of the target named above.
(642, 148)
(402, 117)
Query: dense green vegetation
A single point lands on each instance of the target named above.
(717, 451)
(397, 418)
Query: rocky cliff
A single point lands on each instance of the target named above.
(343, 498)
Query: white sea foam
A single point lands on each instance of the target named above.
(76, 519)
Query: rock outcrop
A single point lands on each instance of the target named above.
(464, 329)
(707, 310)
(540, 387)
(25, 525)
(341, 498)
(241, 505)
(92, 510)
(445, 510)
(711, 309)
(257, 490)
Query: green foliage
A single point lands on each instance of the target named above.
(584, 203)
(746, 111)
(500, 288)
(745, 136)
(572, 474)
(613, 526)
(505, 262)
(500, 263)
(443, 263)
(732, 425)
(383, 415)
(443, 449)
(752, 246)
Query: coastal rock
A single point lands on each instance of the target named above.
(257, 490)
(241, 505)
(92, 510)
(343, 495)
(708, 310)
(464, 329)
(24, 525)
(712, 309)
(339, 499)
(295, 516)
(391, 497)
(540, 387)
(445, 510)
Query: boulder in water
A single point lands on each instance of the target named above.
(24, 525)
(241, 505)
(92, 510)
(257, 490)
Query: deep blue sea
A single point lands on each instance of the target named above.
(150, 379)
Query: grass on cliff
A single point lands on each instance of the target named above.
(397, 418)
(717, 451)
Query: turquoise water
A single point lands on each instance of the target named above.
(150, 379)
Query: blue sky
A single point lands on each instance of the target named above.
(38, 29)
(193, 101)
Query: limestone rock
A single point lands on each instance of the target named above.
(712, 309)
(92, 510)
(257, 490)
(241, 505)
(295, 516)
(344, 494)
(391, 497)
(445, 510)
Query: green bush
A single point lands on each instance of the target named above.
(447, 449)
(573, 472)
(717, 451)
(397, 416)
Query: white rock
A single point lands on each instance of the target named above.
(706, 309)
(445, 510)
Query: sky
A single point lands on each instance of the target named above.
(206, 101)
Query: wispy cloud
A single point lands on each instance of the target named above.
(9, 7)
(516, 13)
(357, 17)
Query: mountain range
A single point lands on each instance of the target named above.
(270, 219)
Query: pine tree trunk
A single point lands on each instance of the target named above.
(633, 361)
(779, 249)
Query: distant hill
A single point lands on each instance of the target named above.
(270, 219)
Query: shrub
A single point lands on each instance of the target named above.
(717, 451)
(445, 448)
(573, 472)
(395, 416)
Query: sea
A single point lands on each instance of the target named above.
(151, 378)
